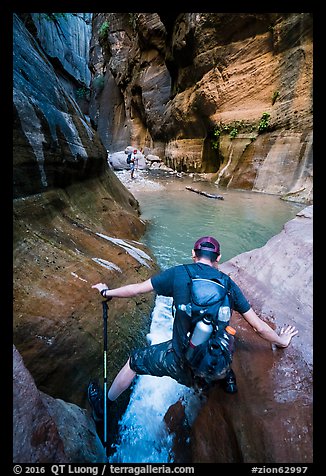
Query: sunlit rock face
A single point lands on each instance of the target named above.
(196, 88)
(269, 420)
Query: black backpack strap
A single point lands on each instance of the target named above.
(189, 284)
(188, 271)
(197, 275)
(190, 274)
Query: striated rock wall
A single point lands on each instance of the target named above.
(54, 144)
(194, 88)
(74, 225)
(65, 39)
(266, 165)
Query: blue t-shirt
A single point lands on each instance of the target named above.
(174, 282)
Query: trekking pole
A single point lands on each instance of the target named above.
(105, 348)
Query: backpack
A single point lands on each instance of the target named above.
(129, 159)
(211, 299)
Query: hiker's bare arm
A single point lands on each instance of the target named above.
(266, 332)
(129, 290)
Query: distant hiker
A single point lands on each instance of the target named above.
(132, 160)
(170, 358)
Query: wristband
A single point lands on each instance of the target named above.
(103, 292)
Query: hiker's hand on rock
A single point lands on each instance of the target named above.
(100, 286)
(286, 335)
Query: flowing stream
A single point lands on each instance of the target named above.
(176, 218)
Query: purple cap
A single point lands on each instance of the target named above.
(207, 239)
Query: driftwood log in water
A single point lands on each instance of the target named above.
(209, 195)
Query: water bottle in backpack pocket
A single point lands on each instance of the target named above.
(211, 358)
(201, 334)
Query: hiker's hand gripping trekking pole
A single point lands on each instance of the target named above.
(105, 348)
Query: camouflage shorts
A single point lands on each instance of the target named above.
(160, 360)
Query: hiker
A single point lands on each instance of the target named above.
(168, 358)
(133, 162)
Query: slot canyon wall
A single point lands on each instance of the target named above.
(74, 225)
(227, 94)
(193, 89)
